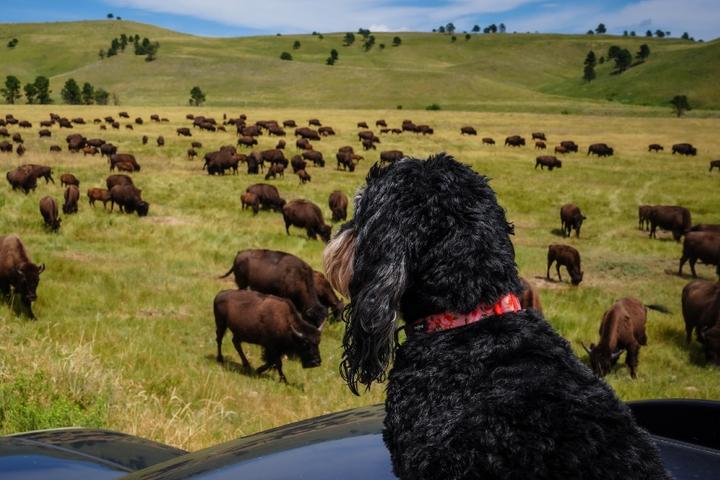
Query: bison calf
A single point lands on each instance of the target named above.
(568, 257)
(98, 194)
(338, 203)
(250, 200)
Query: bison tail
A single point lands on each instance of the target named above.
(229, 272)
(659, 308)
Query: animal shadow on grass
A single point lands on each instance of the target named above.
(686, 275)
(558, 232)
(236, 367)
(676, 336)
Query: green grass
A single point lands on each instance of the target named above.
(509, 72)
(125, 332)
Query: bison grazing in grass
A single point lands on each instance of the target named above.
(655, 147)
(275, 170)
(391, 155)
(565, 256)
(247, 141)
(98, 194)
(700, 307)
(128, 199)
(307, 133)
(22, 179)
(338, 203)
(600, 149)
(569, 146)
(126, 158)
(644, 216)
(304, 176)
(327, 295)
(305, 214)
(298, 163)
(622, 329)
(269, 321)
(345, 161)
(669, 217)
(44, 133)
(18, 274)
(547, 161)
(514, 141)
(268, 196)
(529, 298)
(72, 195)
(184, 131)
(49, 212)
(571, 218)
(703, 246)
(282, 274)
(540, 145)
(684, 149)
(539, 136)
(250, 200)
(315, 157)
(362, 125)
(118, 179)
(468, 130)
(714, 164)
(326, 131)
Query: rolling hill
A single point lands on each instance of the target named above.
(508, 72)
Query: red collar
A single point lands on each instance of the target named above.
(449, 320)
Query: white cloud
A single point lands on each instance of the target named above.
(701, 18)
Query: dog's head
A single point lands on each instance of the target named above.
(427, 236)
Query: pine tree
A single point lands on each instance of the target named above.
(87, 94)
(643, 53)
(680, 104)
(197, 96)
(11, 91)
(101, 97)
(71, 92)
(30, 92)
(42, 87)
(589, 73)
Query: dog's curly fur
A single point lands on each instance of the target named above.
(503, 398)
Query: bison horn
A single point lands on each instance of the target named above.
(588, 350)
(42, 268)
(616, 355)
(295, 331)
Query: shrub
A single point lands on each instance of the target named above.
(433, 106)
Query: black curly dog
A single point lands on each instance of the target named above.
(501, 398)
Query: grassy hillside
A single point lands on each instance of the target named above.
(125, 332)
(489, 72)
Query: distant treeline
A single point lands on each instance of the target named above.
(140, 47)
(39, 92)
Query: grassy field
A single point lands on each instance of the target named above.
(509, 72)
(125, 333)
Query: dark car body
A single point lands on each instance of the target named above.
(345, 445)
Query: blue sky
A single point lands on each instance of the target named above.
(701, 18)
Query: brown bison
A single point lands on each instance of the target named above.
(703, 246)
(468, 130)
(539, 136)
(326, 131)
(706, 227)
(547, 161)
(289, 123)
(44, 133)
(529, 298)
(124, 158)
(268, 196)
(275, 170)
(540, 145)
(565, 256)
(108, 150)
(280, 144)
(669, 217)
(22, 179)
(128, 199)
(714, 164)
(98, 194)
(184, 131)
(327, 295)
(345, 161)
(269, 321)
(380, 123)
(368, 145)
(600, 149)
(89, 150)
(700, 307)
(18, 274)
(307, 133)
(247, 141)
(362, 125)
(55, 148)
(6, 146)
(391, 155)
(684, 149)
(117, 179)
(305, 214)
(571, 218)
(338, 203)
(49, 212)
(303, 144)
(279, 273)
(655, 147)
(315, 157)
(622, 329)
(160, 141)
(561, 149)
(314, 122)
(569, 145)
(191, 153)
(39, 171)
(644, 217)
(72, 195)
(250, 200)
(297, 163)
(514, 141)
(304, 176)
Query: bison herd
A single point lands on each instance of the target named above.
(280, 303)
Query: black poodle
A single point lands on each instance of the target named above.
(480, 389)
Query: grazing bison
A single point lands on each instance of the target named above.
(539, 136)
(569, 145)
(514, 141)
(23, 179)
(128, 200)
(191, 154)
(622, 328)
(218, 162)
(298, 163)
(274, 171)
(196, 144)
(117, 179)
(547, 161)
(279, 273)
(325, 131)
(669, 217)
(338, 203)
(89, 150)
(644, 216)
(250, 200)
(368, 145)
(72, 196)
(18, 274)
(706, 227)
(529, 298)
(467, 130)
(160, 141)
(98, 194)
(315, 157)
(268, 195)
(380, 123)
(145, 139)
(714, 164)
(571, 218)
(561, 149)
(247, 141)
(6, 146)
(305, 214)
(366, 135)
(289, 123)
(307, 133)
(127, 158)
(184, 131)
(39, 171)
(600, 149)
(17, 138)
(703, 246)
(362, 125)
(345, 160)
(655, 147)
(269, 321)
(280, 145)
(55, 148)
(20, 150)
(314, 122)
(327, 295)
(540, 145)
(108, 150)
(49, 212)
(303, 176)
(565, 256)
(45, 133)
(684, 149)
(391, 155)
(700, 307)
(303, 144)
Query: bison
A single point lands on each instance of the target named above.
(468, 130)
(565, 256)
(571, 218)
(274, 171)
(128, 199)
(18, 274)
(600, 149)
(669, 217)
(303, 176)
(644, 216)
(548, 161)
(569, 145)
(160, 141)
(72, 195)
(123, 158)
(307, 133)
(247, 141)
(700, 307)
(391, 155)
(327, 295)
(655, 147)
(250, 200)
(345, 161)
(622, 328)
(703, 246)
(540, 145)
(560, 149)
(539, 136)
(529, 298)
(307, 215)
(45, 133)
(714, 164)
(279, 273)
(184, 131)
(684, 149)
(40, 171)
(338, 203)
(22, 179)
(49, 212)
(325, 131)
(98, 194)
(269, 321)
(118, 179)
(514, 141)
(268, 196)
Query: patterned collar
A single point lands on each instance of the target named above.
(449, 320)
